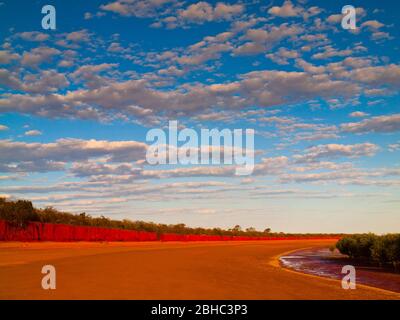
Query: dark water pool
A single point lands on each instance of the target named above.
(323, 262)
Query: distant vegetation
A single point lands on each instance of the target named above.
(20, 212)
(382, 250)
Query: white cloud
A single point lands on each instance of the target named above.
(334, 18)
(33, 36)
(38, 55)
(67, 150)
(78, 36)
(92, 76)
(282, 56)
(203, 11)
(263, 88)
(32, 133)
(41, 82)
(7, 57)
(394, 146)
(330, 52)
(387, 123)
(358, 114)
(140, 8)
(372, 24)
(355, 176)
(332, 151)
(378, 75)
(261, 40)
(380, 35)
(286, 10)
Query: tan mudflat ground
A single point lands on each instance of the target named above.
(169, 270)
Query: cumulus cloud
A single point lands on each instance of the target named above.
(7, 57)
(335, 18)
(38, 55)
(394, 146)
(378, 75)
(283, 55)
(203, 11)
(314, 136)
(329, 52)
(41, 82)
(32, 166)
(78, 36)
(261, 40)
(33, 36)
(9, 79)
(379, 36)
(129, 171)
(197, 13)
(343, 176)
(90, 168)
(309, 67)
(140, 8)
(70, 150)
(277, 87)
(286, 10)
(264, 88)
(332, 151)
(210, 48)
(372, 24)
(32, 133)
(91, 75)
(272, 165)
(387, 123)
(358, 114)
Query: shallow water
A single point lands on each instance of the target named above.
(323, 262)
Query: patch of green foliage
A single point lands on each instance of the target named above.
(381, 250)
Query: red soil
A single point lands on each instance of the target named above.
(36, 231)
(166, 270)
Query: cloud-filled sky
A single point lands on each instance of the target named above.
(76, 104)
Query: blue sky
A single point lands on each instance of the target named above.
(76, 104)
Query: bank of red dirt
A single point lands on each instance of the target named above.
(37, 231)
(21, 221)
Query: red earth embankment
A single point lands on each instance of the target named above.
(196, 237)
(37, 231)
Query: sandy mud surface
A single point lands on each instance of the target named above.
(169, 270)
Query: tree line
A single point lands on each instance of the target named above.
(381, 250)
(21, 212)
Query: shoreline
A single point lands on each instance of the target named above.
(276, 262)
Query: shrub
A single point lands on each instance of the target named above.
(18, 213)
(382, 250)
(378, 252)
(387, 250)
